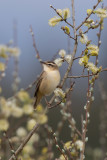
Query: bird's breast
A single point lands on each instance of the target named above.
(50, 82)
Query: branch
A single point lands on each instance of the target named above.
(83, 76)
(94, 7)
(34, 44)
(85, 123)
(67, 33)
(67, 92)
(99, 43)
(10, 144)
(55, 141)
(25, 141)
(75, 128)
(26, 89)
(85, 31)
(73, 18)
(89, 101)
(74, 51)
(72, 59)
(61, 16)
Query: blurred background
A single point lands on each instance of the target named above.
(49, 40)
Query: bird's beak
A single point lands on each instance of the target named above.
(42, 62)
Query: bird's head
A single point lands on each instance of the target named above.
(49, 65)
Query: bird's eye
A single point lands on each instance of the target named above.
(49, 64)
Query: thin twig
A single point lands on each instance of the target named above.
(10, 144)
(85, 123)
(72, 59)
(85, 31)
(68, 70)
(26, 89)
(69, 46)
(73, 54)
(89, 101)
(77, 57)
(67, 33)
(83, 76)
(56, 142)
(94, 7)
(61, 16)
(20, 148)
(74, 127)
(73, 19)
(70, 64)
(67, 92)
(34, 44)
(30, 85)
(99, 40)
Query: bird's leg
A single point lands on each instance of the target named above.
(55, 105)
(52, 106)
(48, 104)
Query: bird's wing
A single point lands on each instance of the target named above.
(38, 83)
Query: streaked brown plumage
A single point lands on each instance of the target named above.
(47, 82)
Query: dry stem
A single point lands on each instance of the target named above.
(20, 148)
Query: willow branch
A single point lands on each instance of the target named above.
(94, 7)
(25, 141)
(99, 40)
(55, 141)
(34, 44)
(67, 33)
(83, 76)
(10, 144)
(67, 92)
(72, 59)
(75, 128)
(73, 18)
(61, 16)
(74, 51)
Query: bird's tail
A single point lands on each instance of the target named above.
(37, 100)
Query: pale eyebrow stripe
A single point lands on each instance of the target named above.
(51, 64)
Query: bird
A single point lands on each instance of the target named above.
(47, 82)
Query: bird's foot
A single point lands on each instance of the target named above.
(48, 104)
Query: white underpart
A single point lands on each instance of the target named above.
(51, 81)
